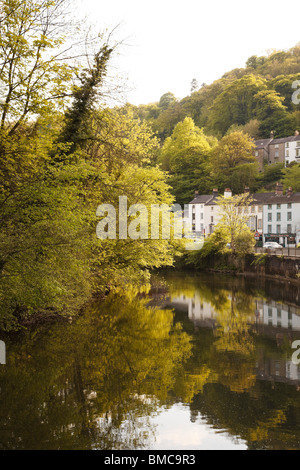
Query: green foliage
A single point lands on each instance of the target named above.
(236, 104)
(244, 243)
(261, 91)
(166, 100)
(54, 172)
(233, 223)
(270, 175)
(33, 79)
(292, 178)
(259, 259)
(232, 162)
(186, 155)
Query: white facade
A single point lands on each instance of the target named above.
(255, 222)
(205, 214)
(274, 216)
(282, 220)
(212, 216)
(292, 152)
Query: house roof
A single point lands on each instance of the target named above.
(257, 198)
(262, 143)
(293, 138)
(281, 199)
(202, 199)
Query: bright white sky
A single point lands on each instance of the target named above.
(170, 42)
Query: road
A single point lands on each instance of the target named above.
(287, 252)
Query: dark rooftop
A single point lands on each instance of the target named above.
(258, 198)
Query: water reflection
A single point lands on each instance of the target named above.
(92, 384)
(243, 331)
(240, 315)
(210, 354)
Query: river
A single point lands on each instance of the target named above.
(206, 361)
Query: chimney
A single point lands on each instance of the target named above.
(215, 192)
(296, 133)
(227, 192)
(196, 193)
(279, 189)
(272, 135)
(289, 192)
(247, 190)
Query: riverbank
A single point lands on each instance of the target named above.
(261, 265)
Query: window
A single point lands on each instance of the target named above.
(212, 208)
(287, 153)
(212, 219)
(289, 216)
(289, 228)
(277, 146)
(278, 217)
(278, 312)
(289, 206)
(256, 153)
(260, 208)
(270, 217)
(201, 216)
(297, 152)
(270, 312)
(276, 154)
(269, 228)
(259, 223)
(287, 145)
(278, 206)
(278, 228)
(252, 209)
(270, 207)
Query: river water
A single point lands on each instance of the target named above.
(204, 362)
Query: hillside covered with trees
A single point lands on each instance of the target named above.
(207, 137)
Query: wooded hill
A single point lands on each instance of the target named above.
(207, 137)
(256, 99)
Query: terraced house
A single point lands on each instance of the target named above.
(281, 217)
(274, 216)
(285, 150)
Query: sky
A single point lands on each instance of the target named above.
(168, 43)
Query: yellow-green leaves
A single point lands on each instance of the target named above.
(32, 77)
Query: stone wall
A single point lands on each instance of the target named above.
(277, 266)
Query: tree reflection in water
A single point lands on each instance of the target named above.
(94, 383)
(251, 387)
(212, 345)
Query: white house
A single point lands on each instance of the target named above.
(281, 217)
(274, 216)
(292, 149)
(205, 213)
(199, 212)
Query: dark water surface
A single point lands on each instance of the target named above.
(208, 365)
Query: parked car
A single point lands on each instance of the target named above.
(298, 246)
(272, 245)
